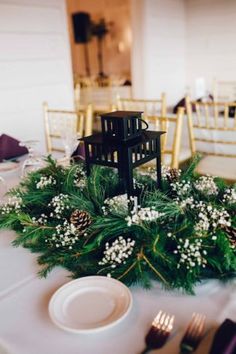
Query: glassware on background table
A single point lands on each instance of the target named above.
(34, 160)
(70, 143)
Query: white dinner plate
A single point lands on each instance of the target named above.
(90, 304)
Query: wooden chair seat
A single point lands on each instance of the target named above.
(215, 133)
(173, 150)
(224, 167)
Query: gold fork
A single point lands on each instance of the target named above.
(160, 330)
(193, 334)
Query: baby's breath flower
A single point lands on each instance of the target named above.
(206, 216)
(117, 204)
(140, 215)
(45, 181)
(59, 204)
(206, 185)
(229, 196)
(181, 188)
(189, 201)
(65, 235)
(209, 217)
(80, 177)
(13, 204)
(191, 254)
(166, 172)
(41, 220)
(118, 252)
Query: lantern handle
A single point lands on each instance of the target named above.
(143, 121)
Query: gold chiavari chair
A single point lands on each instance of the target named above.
(148, 107)
(87, 111)
(77, 91)
(101, 99)
(173, 154)
(88, 119)
(57, 122)
(214, 135)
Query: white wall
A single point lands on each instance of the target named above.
(158, 53)
(176, 42)
(138, 56)
(211, 45)
(35, 64)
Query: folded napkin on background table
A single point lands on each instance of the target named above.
(224, 341)
(9, 148)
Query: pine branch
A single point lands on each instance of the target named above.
(159, 275)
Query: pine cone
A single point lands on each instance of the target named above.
(81, 219)
(173, 175)
(231, 233)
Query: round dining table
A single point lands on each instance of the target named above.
(26, 327)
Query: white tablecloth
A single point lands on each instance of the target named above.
(25, 326)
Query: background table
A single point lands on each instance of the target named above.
(25, 326)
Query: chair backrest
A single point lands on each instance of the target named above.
(171, 141)
(224, 91)
(214, 127)
(57, 122)
(88, 115)
(148, 107)
(85, 110)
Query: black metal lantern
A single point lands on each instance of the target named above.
(124, 145)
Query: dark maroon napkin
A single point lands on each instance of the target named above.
(224, 341)
(9, 148)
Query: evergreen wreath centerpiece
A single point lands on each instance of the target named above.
(179, 235)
